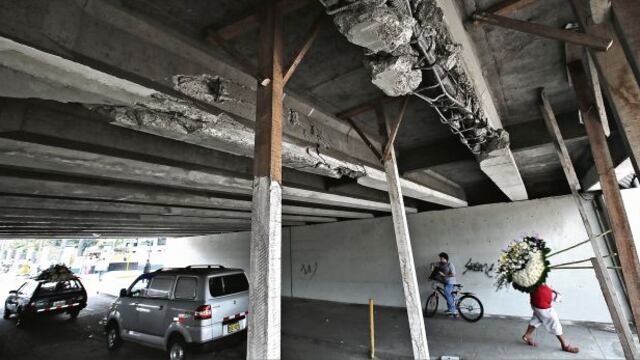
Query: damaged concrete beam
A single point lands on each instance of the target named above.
(427, 37)
(499, 166)
(223, 98)
(130, 105)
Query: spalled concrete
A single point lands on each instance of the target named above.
(217, 124)
(454, 78)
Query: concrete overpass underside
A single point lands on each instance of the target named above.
(131, 120)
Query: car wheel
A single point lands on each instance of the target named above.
(114, 341)
(177, 348)
(7, 313)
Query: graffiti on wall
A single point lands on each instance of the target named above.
(309, 270)
(478, 267)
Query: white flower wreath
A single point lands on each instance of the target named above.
(523, 264)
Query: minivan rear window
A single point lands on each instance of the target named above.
(228, 284)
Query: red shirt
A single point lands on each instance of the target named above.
(542, 297)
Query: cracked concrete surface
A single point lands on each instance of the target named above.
(393, 36)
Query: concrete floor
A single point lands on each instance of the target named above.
(315, 330)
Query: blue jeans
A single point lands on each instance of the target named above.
(448, 289)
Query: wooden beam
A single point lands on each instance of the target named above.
(556, 136)
(407, 265)
(508, 7)
(365, 107)
(251, 21)
(615, 208)
(306, 45)
(592, 41)
(394, 129)
(604, 279)
(364, 138)
(263, 340)
(625, 16)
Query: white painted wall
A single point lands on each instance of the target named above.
(356, 260)
(230, 250)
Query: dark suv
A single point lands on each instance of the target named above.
(41, 297)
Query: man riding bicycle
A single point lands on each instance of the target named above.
(447, 275)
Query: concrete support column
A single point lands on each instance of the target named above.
(407, 265)
(613, 199)
(266, 218)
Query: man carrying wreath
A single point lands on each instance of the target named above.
(544, 314)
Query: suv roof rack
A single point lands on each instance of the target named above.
(205, 266)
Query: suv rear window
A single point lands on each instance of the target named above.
(60, 287)
(228, 284)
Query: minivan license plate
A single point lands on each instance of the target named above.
(233, 327)
(59, 303)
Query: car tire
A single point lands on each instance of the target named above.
(113, 339)
(177, 348)
(7, 313)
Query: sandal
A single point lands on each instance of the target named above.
(571, 349)
(528, 341)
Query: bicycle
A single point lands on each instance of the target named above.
(469, 307)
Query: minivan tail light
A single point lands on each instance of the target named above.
(203, 312)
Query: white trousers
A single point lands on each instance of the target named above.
(548, 318)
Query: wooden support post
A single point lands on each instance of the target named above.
(616, 74)
(405, 254)
(364, 138)
(619, 322)
(620, 227)
(625, 15)
(595, 42)
(372, 331)
(396, 126)
(599, 266)
(263, 340)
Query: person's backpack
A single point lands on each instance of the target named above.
(435, 276)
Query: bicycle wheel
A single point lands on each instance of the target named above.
(431, 306)
(470, 308)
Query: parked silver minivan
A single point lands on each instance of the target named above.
(180, 309)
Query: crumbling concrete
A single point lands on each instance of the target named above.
(375, 26)
(176, 119)
(395, 75)
(317, 142)
(392, 44)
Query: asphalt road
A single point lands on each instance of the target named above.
(59, 337)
